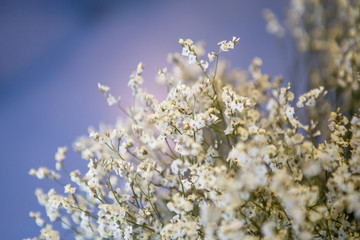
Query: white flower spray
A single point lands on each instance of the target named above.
(214, 160)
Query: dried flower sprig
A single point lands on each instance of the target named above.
(224, 156)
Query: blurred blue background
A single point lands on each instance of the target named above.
(53, 54)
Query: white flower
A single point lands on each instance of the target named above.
(290, 112)
(192, 58)
(217, 159)
(204, 64)
(273, 26)
(311, 102)
(37, 217)
(103, 89)
(112, 100)
(223, 46)
(211, 56)
(49, 234)
(61, 154)
(185, 51)
(116, 134)
(175, 166)
(69, 189)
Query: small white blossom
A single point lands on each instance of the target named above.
(192, 58)
(185, 51)
(69, 189)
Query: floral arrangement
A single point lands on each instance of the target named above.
(224, 156)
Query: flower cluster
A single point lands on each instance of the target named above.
(224, 156)
(327, 37)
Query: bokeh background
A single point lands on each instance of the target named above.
(53, 54)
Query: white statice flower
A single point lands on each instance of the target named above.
(235, 103)
(148, 169)
(229, 129)
(176, 165)
(49, 233)
(94, 135)
(187, 42)
(136, 79)
(186, 185)
(188, 146)
(111, 100)
(204, 64)
(41, 173)
(179, 166)
(60, 155)
(117, 134)
(207, 178)
(197, 123)
(223, 46)
(226, 45)
(189, 50)
(309, 98)
(180, 149)
(164, 78)
(69, 189)
(211, 56)
(103, 89)
(273, 26)
(192, 58)
(185, 51)
(180, 205)
(237, 156)
(92, 176)
(290, 111)
(222, 156)
(37, 217)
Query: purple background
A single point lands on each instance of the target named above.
(53, 54)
